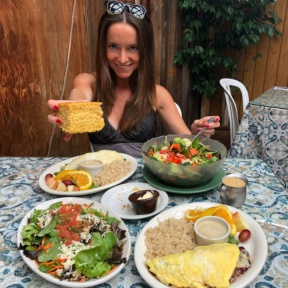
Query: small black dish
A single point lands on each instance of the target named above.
(144, 205)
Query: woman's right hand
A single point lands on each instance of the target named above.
(52, 118)
(82, 92)
(76, 95)
(53, 105)
(210, 127)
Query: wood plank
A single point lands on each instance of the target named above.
(222, 134)
(260, 68)
(240, 56)
(282, 75)
(34, 51)
(78, 63)
(248, 75)
(274, 52)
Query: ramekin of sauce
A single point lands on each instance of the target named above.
(144, 201)
(93, 167)
(211, 229)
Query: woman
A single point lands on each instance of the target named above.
(125, 83)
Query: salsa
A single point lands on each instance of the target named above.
(69, 228)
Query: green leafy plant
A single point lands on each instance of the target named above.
(211, 28)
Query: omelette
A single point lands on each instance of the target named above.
(211, 266)
(106, 156)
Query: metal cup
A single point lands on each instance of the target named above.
(232, 192)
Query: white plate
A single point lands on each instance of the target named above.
(65, 283)
(116, 199)
(256, 245)
(56, 168)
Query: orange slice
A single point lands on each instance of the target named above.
(226, 215)
(220, 211)
(81, 178)
(195, 214)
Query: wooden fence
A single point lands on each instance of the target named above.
(270, 70)
(40, 56)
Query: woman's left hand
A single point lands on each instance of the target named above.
(210, 127)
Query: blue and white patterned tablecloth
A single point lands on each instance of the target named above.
(267, 202)
(263, 132)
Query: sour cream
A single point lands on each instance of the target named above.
(147, 195)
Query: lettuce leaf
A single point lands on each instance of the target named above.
(91, 262)
(29, 233)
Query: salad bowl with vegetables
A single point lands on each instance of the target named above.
(73, 242)
(182, 161)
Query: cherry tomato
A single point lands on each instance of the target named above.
(170, 157)
(177, 160)
(193, 151)
(181, 156)
(209, 155)
(244, 235)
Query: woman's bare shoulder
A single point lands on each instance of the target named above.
(86, 83)
(161, 89)
(163, 95)
(85, 78)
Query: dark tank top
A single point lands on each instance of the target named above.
(129, 142)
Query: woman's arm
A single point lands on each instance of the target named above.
(83, 87)
(168, 112)
(174, 123)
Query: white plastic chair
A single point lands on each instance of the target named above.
(179, 109)
(226, 83)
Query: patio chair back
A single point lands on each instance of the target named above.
(226, 83)
(179, 109)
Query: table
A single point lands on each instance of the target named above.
(266, 201)
(263, 132)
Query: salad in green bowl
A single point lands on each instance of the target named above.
(182, 161)
(183, 151)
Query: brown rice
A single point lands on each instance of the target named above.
(112, 172)
(169, 237)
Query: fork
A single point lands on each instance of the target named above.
(204, 128)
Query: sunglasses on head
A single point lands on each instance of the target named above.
(117, 7)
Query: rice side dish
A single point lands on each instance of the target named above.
(169, 237)
(112, 172)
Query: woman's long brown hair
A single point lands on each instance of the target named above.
(142, 81)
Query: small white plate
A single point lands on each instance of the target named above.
(116, 200)
(92, 282)
(256, 245)
(57, 167)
